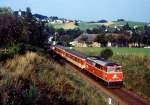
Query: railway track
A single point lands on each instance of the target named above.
(120, 96)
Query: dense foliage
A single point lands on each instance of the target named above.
(122, 36)
(66, 36)
(21, 29)
(106, 53)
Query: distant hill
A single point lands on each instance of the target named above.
(39, 16)
(70, 25)
(85, 25)
(91, 25)
(131, 23)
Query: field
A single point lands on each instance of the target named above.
(117, 51)
(136, 67)
(131, 23)
(86, 25)
(64, 26)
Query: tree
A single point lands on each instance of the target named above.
(120, 20)
(26, 29)
(5, 10)
(11, 29)
(76, 23)
(83, 38)
(61, 31)
(106, 53)
(101, 39)
(28, 14)
(102, 21)
(126, 27)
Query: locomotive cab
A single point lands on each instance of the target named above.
(108, 71)
(114, 75)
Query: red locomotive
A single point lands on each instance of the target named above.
(107, 71)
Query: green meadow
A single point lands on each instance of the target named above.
(135, 63)
(116, 51)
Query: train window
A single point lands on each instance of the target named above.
(110, 69)
(89, 62)
(75, 59)
(98, 65)
(79, 60)
(118, 69)
(110, 64)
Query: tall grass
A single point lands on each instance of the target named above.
(136, 71)
(32, 79)
(136, 68)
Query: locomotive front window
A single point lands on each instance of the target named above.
(97, 65)
(118, 69)
(110, 69)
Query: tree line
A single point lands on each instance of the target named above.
(27, 30)
(122, 36)
(21, 29)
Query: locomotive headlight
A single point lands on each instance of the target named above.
(115, 76)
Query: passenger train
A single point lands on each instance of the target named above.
(109, 72)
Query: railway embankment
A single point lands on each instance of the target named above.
(136, 69)
(113, 96)
(31, 79)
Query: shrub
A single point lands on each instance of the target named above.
(3, 56)
(12, 50)
(31, 95)
(106, 53)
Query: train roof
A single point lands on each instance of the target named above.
(72, 51)
(101, 61)
(96, 59)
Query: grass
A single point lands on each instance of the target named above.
(57, 26)
(118, 51)
(66, 26)
(131, 23)
(136, 67)
(32, 79)
(86, 25)
(136, 71)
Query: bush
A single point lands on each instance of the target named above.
(22, 48)
(106, 53)
(3, 56)
(12, 50)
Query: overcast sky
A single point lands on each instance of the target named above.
(136, 10)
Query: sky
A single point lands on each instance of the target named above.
(87, 10)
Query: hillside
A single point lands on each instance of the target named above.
(87, 25)
(66, 26)
(131, 23)
(33, 79)
(136, 67)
